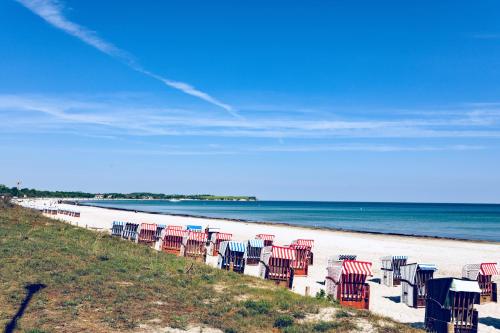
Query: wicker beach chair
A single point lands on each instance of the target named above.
(449, 306)
(414, 278)
(232, 256)
(483, 273)
(391, 269)
(346, 282)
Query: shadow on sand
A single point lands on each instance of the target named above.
(395, 299)
(31, 290)
(490, 321)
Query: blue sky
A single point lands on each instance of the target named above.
(317, 100)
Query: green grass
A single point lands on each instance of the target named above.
(102, 284)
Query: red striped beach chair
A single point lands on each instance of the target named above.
(194, 245)
(172, 240)
(346, 282)
(147, 233)
(267, 238)
(217, 238)
(303, 249)
(483, 273)
(276, 265)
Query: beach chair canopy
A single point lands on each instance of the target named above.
(346, 267)
(341, 257)
(148, 226)
(266, 237)
(303, 243)
(472, 271)
(409, 271)
(194, 227)
(256, 243)
(439, 289)
(346, 257)
(224, 236)
(117, 223)
(196, 236)
(282, 252)
(389, 262)
(175, 232)
(233, 246)
(175, 227)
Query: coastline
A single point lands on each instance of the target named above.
(284, 224)
(449, 255)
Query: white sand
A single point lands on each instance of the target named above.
(448, 255)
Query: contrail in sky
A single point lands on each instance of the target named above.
(52, 12)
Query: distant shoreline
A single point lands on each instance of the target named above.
(78, 202)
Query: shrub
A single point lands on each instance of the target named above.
(283, 321)
(258, 307)
(324, 326)
(320, 294)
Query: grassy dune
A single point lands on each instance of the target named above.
(85, 281)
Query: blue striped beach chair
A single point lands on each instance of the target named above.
(159, 229)
(254, 249)
(117, 229)
(130, 231)
(232, 256)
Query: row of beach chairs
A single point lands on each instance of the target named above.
(449, 302)
(56, 211)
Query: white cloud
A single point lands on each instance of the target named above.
(132, 118)
(52, 12)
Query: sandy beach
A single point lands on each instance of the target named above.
(448, 255)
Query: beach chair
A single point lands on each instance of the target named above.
(130, 231)
(483, 273)
(77, 214)
(268, 239)
(147, 233)
(194, 228)
(232, 256)
(306, 243)
(172, 240)
(303, 256)
(391, 270)
(346, 282)
(254, 249)
(216, 239)
(159, 230)
(449, 306)
(117, 229)
(414, 278)
(276, 265)
(194, 245)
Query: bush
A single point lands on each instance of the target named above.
(324, 326)
(342, 314)
(258, 307)
(320, 294)
(283, 321)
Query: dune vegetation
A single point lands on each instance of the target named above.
(61, 278)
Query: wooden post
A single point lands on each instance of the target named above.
(308, 290)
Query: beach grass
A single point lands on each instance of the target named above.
(81, 280)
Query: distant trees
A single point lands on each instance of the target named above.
(33, 193)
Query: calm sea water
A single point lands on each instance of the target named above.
(466, 221)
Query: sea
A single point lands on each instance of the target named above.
(455, 221)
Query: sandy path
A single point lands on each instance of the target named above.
(448, 255)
